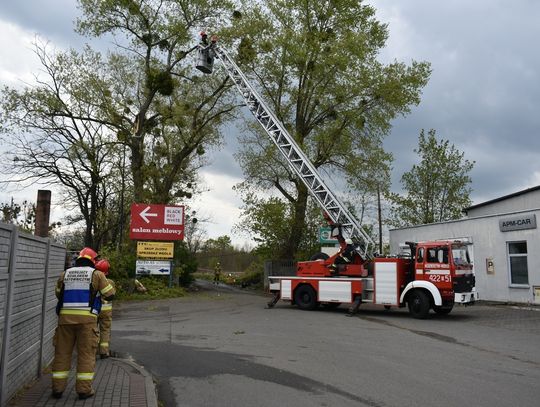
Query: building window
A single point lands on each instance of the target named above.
(517, 264)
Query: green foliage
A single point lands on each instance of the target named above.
(253, 276)
(232, 259)
(437, 189)
(186, 264)
(157, 288)
(268, 221)
(316, 63)
(123, 262)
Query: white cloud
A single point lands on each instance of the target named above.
(17, 59)
(221, 205)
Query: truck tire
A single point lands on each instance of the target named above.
(443, 310)
(319, 256)
(419, 304)
(305, 297)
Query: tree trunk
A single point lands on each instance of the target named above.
(290, 247)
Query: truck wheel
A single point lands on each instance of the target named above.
(305, 297)
(418, 304)
(319, 256)
(443, 310)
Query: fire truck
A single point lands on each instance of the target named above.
(434, 275)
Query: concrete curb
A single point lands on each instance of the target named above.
(150, 387)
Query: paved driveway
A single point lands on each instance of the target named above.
(223, 348)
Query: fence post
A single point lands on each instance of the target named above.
(44, 308)
(4, 359)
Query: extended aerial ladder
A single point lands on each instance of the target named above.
(298, 161)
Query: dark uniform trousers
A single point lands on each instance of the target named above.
(86, 336)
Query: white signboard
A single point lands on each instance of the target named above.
(174, 215)
(153, 267)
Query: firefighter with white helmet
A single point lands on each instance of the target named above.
(345, 256)
(105, 315)
(79, 290)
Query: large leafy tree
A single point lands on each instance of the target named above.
(437, 188)
(315, 62)
(161, 109)
(141, 106)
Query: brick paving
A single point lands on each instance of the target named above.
(117, 382)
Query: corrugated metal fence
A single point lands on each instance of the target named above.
(29, 268)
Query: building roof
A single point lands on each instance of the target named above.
(502, 198)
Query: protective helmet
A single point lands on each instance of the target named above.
(103, 266)
(88, 253)
(348, 241)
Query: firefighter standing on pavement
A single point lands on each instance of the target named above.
(217, 273)
(105, 315)
(79, 290)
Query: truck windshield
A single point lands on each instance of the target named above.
(460, 255)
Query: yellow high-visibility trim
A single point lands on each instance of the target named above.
(107, 289)
(104, 344)
(85, 376)
(106, 307)
(77, 312)
(60, 375)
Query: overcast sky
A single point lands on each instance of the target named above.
(483, 95)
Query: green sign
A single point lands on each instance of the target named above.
(325, 235)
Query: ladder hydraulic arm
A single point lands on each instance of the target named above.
(300, 163)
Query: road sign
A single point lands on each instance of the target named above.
(325, 235)
(155, 250)
(153, 267)
(156, 222)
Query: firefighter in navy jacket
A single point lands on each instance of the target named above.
(79, 290)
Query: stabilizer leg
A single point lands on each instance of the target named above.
(353, 309)
(274, 300)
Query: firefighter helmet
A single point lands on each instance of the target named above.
(88, 253)
(103, 266)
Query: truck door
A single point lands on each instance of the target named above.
(437, 267)
(419, 263)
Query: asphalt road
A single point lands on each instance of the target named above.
(223, 348)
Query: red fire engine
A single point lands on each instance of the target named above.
(436, 275)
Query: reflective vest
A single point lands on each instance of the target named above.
(79, 298)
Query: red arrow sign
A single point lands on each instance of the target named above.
(156, 222)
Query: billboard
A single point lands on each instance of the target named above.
(156, 222)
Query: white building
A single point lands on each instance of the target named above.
(505, 244)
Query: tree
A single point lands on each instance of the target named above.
(52, 139)
(142, 106)
(22, 215)
(268, 221)
(161, 110)
(315, 64)
(437, 189)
